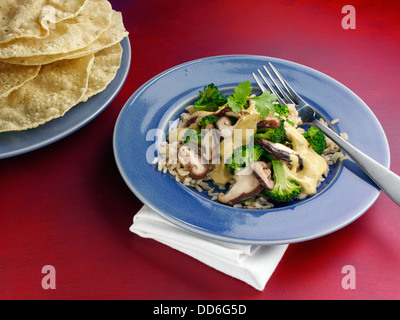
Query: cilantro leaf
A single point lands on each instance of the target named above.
(242, 92)
(264, 104)
(236, 107)
(238, 100)
(262, 108)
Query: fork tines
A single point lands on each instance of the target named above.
(279, 87)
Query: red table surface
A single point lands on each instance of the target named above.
(66, 204)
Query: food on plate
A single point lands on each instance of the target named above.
(49, 95)
(65, 36)
(246, 151)
(105, 66)
(53, 55)
(33, 19)
(113, 35)
(12, 77)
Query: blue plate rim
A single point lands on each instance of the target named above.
(195, 229)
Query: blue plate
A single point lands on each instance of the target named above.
(345, 195)
(19, 142)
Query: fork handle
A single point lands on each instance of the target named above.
(385, 179)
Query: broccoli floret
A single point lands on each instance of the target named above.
(244, 155)
(316, 139)
(285, 189)
(211, 99)
(281, 110)
(191, 136)
(208, 120)
(272, 134)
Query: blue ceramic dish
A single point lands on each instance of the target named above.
(19, 142)
(345, 195)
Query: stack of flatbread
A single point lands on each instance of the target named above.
(54, 54)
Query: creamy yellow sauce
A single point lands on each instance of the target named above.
(314, 166)
(244, 129)
(200, 115)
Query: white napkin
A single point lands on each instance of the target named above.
(251, 264)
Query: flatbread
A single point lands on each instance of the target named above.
(34, 19)
(114, 34)
(68, 35)
(56, 89)
(13, 77)
(66, 57)
(105, 66)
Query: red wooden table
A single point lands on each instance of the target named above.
(66, 205)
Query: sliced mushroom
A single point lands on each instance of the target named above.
(246, 186)
(232, 114)
(225, 127)
(280, 151)
(223, 122)
(277, 149)
(269, 123)
(191, 120)
(263, 173)
(227, 111)
(189, 158)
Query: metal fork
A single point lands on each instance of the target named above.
(385, 179)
